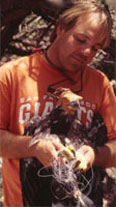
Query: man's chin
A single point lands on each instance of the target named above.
(77, 67)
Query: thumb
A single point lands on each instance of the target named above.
(58, 145)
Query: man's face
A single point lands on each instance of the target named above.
(76, 47)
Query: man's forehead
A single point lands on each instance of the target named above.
(88, 26)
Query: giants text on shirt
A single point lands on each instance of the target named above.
(84, 112)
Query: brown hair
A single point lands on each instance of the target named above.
(81, 7)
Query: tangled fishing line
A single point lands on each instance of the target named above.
(66, 175)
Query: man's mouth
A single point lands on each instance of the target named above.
(79, 59)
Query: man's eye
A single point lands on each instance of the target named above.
(80, 40)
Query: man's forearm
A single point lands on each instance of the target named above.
(106, 155)
(14, 146)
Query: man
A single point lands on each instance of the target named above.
(24, 83)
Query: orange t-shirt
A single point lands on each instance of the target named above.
(23, 93)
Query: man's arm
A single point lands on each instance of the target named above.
(106, 156)
(15, 147)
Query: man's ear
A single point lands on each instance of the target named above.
(59, 30)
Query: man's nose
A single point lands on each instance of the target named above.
(87, 51)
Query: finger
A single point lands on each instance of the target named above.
(58, 145)
(83, 149)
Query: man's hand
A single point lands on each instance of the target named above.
(105, 156)
(88, 155)
(46, 151)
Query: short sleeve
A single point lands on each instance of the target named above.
(108, 108)
(4, 107)
(5, 96)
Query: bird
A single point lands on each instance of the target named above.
(63, 185)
